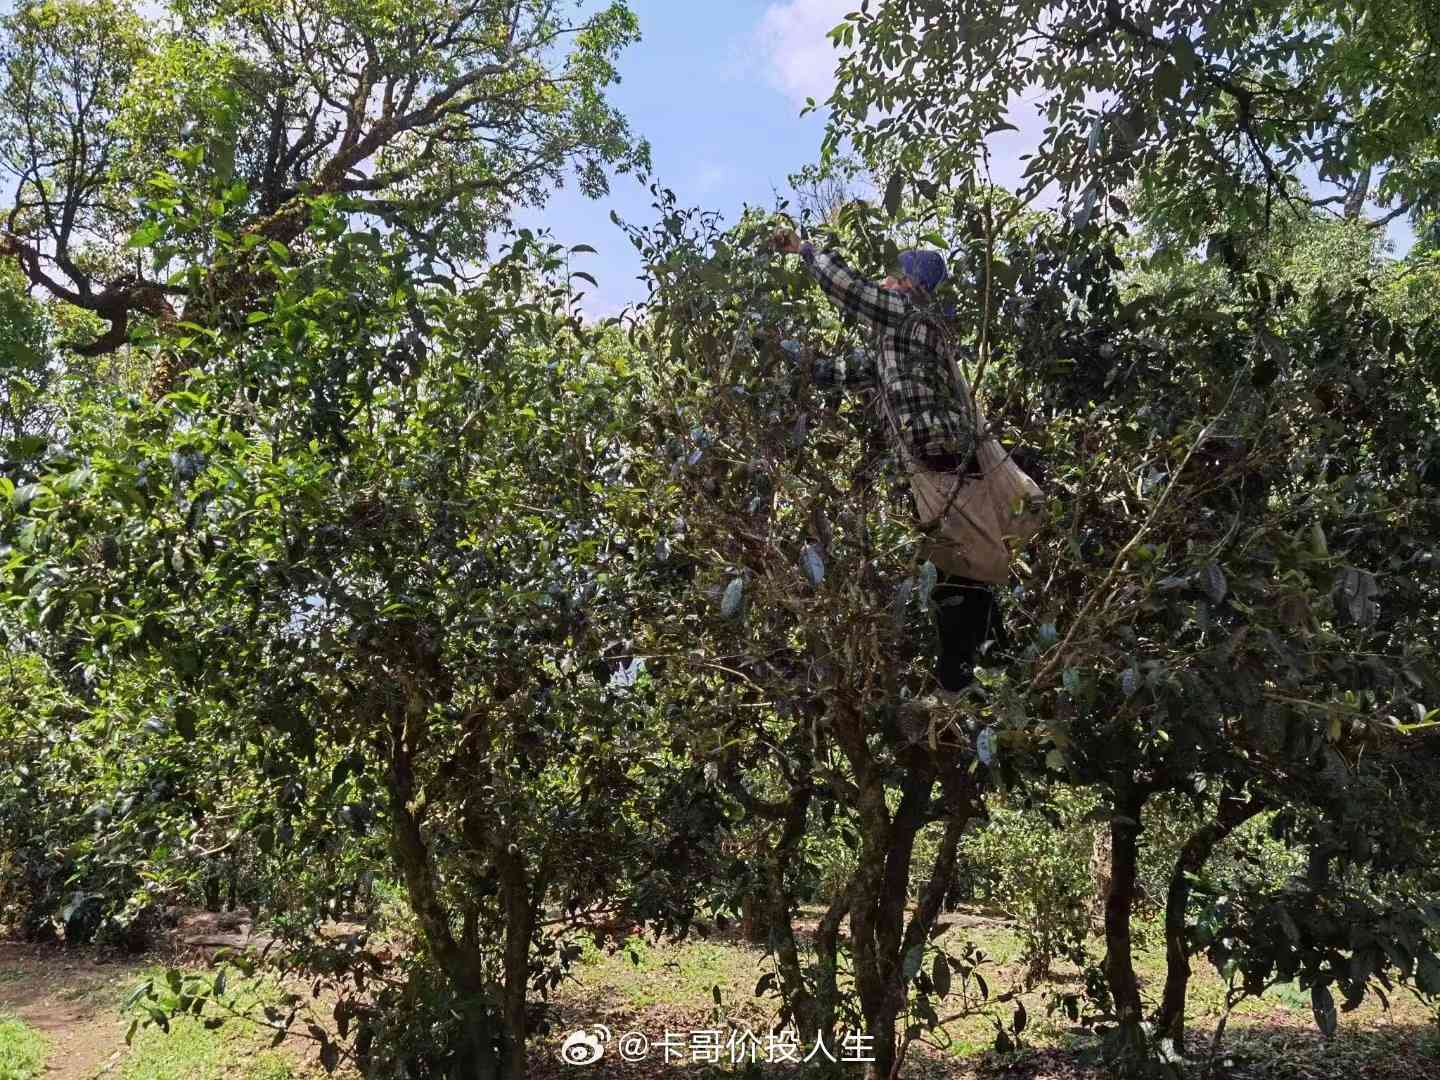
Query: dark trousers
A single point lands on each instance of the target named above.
(969, 616)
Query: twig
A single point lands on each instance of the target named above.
(1058, 653)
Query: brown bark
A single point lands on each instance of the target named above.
(460, 962)
(889, 926)
(778, 908)
(1100, 875)
(754, 919)
(1358, 193)
(879, 935)
(878, 890)
(520, 914)
(932, 897)
(827, 950)
(115, 303)
(867, 889)
(1128, 1051)
(1233, 813)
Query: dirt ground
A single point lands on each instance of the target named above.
(73, 997)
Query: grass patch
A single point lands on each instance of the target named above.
(656, 987)
(22, 1050)
(646, 974)
(1288, 995)
(191, 1052)
(237, 1050)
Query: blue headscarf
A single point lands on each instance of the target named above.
(924, 267)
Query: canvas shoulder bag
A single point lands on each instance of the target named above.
(971, 520)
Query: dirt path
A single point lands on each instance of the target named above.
(74, 996)
(73, 1000)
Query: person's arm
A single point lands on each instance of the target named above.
(875, 307)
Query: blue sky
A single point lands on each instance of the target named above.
(717, 88)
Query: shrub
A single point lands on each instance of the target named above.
(1034, 864)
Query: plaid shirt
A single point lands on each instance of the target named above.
(908, 356)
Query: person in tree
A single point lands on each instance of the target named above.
(907, 364)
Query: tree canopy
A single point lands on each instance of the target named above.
(553, 624)
(433, 120)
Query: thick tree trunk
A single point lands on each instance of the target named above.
(1100, 876)
(755, 918)
(1358, 193)
(879, 888)
(878, 895)
(932, 899)
(910, 818)
(867, 888)
(1128, 1051)
(1196, 852)
(780, 923)
(827, 964)
(478, 1058)
(520, 908)
(232, 890)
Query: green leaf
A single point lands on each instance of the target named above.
(146, 234)
(1322, 1003)
(913, 959)
(140, 991)
(894, 190)
(1427, 974)
(1167, 81)
(1212, 580)
(940, 974)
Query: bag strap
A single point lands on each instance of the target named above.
(965, 392)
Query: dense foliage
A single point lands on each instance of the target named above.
(345, 559)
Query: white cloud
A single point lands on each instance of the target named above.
(712, 178)
(798, 58)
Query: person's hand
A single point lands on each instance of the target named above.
(785, 241)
